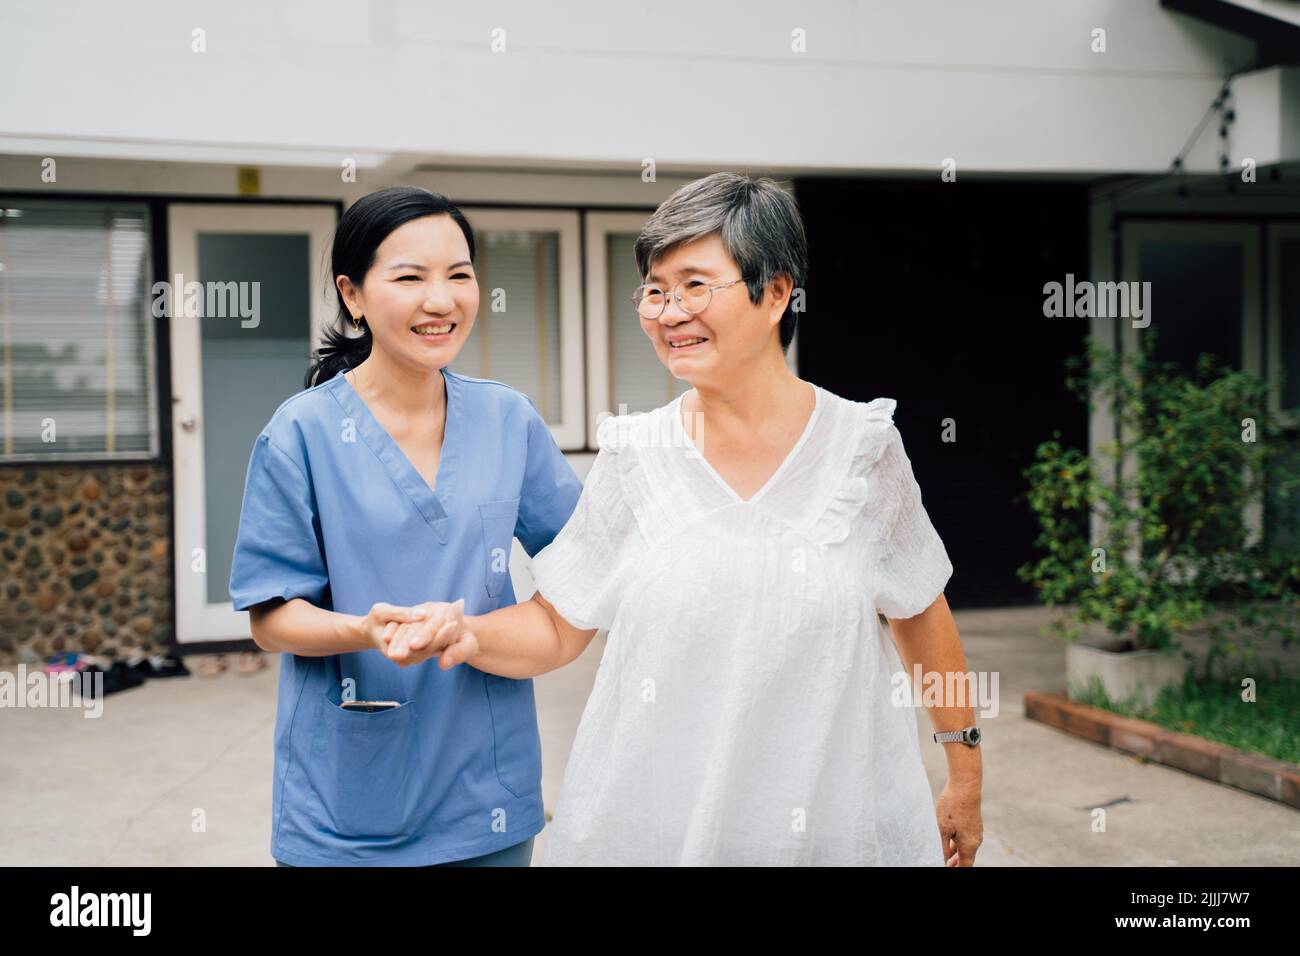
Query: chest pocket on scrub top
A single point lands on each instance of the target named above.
(498, 519)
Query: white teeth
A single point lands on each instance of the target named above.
(432, 329)
(685, 342)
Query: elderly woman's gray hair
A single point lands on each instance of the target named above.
(759, 225)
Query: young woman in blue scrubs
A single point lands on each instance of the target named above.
(391, 482)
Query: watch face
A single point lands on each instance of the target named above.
(975, 735)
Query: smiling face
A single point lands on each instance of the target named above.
(708, 348)
(420, 296)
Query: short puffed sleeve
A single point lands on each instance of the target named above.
(910, 565)
(583, 572)
(278, 549)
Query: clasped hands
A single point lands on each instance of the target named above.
(412, 635)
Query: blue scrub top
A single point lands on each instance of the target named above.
(335, 513)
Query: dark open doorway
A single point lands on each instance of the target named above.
(932, 294)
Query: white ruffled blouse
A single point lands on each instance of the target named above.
(742, 711)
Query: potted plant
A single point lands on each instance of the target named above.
(1178, 497)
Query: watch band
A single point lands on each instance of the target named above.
(970, 736)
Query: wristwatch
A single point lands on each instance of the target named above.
(970, 736)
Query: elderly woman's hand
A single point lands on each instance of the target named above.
(961, 828)
(383, 621)
(441, 634)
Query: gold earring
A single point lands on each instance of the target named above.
(356, 323)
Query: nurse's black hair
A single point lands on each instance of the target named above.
(366, 224)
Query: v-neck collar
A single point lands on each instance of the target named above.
(429, 501)
(772, 479)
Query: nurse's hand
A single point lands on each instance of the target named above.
(384, 620)
(440, 634)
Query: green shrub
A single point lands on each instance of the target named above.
(1174, 552)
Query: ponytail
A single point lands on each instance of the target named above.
(338, 353)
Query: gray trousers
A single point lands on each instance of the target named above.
(521, 854)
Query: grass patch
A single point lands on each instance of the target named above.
(1214, 710)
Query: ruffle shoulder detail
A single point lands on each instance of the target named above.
(853, 494)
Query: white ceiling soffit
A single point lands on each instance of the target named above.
(164, 151)
(1274, 25)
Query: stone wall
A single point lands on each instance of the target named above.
(85, 559)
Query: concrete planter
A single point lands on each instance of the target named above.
(1136, 677)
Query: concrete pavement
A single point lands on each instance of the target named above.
(123, 789)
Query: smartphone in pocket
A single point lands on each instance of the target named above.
(369, 706)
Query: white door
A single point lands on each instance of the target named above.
(248, 288)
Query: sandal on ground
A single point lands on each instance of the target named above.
(160, 665)
(250, 662)
(211, 665)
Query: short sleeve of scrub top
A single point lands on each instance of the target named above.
(554, 488)
(336, 514)
(280, 540)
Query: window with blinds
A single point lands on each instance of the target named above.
(77, 359)
(516, 337)
(638, 381)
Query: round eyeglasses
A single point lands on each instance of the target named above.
(693, 295)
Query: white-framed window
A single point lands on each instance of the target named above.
(624, 373)
(76, 334)
(1283, 353)
(1204, 289)
(1205, 297)
(528, 332)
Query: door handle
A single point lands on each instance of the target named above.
(188, 423)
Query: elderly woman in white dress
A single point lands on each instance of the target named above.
(736, 545)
